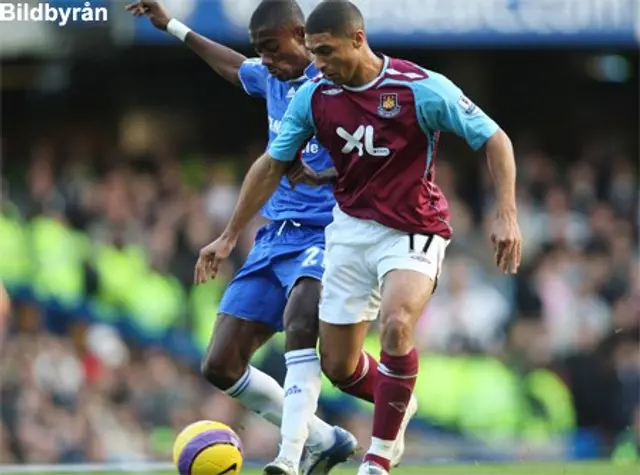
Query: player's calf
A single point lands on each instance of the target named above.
(222, 373)
(350, 369)
(226, 366)
(361, 382)
(341, 349)
(225, 361)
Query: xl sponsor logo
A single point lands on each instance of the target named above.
(362, 141)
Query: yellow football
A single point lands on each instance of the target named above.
(207, 448)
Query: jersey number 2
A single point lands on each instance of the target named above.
(313, 256)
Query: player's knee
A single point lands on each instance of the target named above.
(299, 337)
(301, 331)
(220, 371)
(396, 332)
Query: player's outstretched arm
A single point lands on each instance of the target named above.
(506, 236)
(223, 60)
(502, 166)
(261, 181)
(443, 106)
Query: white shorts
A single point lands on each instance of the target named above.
(359, 253)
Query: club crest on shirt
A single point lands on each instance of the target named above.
(389, 106)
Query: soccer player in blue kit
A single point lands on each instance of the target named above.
(279, 285)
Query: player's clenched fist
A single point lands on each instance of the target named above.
(507, 241)
(211, 256)
(157, 14)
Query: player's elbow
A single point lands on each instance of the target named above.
(499, 144)
(265, 170)
(274, 170)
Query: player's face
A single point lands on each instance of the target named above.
(336, 56)
(282, 51)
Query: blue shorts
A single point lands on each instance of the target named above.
(283, 253)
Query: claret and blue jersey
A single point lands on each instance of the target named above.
(292, 245)
(383, 139)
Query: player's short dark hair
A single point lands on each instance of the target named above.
(274, 14)
(338, 17)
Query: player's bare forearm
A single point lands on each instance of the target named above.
(261, 181)
(328, 176)
(223, 60)
(502, 166)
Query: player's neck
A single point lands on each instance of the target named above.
(369, 69)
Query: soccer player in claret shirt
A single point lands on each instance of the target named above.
(380, 118)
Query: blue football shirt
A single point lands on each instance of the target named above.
(307, 205)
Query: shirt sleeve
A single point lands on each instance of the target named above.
(441, 105)
(297, 126)
(253, 77)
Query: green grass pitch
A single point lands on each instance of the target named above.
(475, 469)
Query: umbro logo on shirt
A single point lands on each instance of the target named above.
(333, 91)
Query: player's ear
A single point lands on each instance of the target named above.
(298, 32)
(358, 39)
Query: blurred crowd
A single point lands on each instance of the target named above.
(72, 371)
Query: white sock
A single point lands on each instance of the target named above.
(381, 448)
(260, 393)
(302, 389)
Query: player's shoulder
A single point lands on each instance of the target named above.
(255, 66)
(406, 71)
(424, 82)
(314, 85)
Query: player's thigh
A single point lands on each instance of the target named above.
(408, 269)
(349, 301)
(348, 286)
